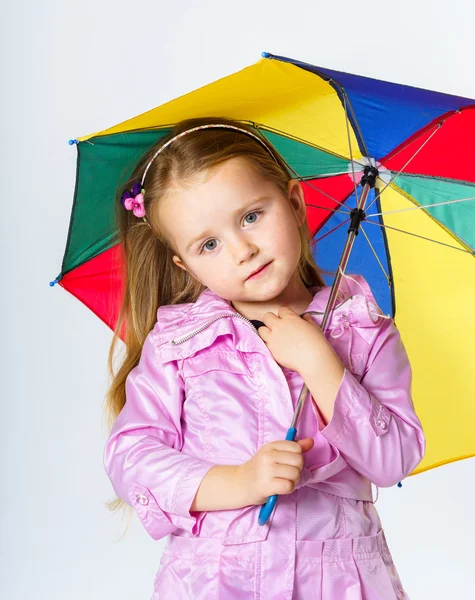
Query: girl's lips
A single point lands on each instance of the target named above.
(264, 268)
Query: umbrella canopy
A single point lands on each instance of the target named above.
(416, 244)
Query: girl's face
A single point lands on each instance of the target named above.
(229, 223)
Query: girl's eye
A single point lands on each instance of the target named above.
(254, 212)
(205, 246)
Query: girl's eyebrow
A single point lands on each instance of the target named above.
(236, 212)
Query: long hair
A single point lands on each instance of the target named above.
(150, 277)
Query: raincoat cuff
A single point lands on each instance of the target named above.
(185, 493)
(155, 521)
(158, 522)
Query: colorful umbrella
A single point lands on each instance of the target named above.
(334, 130)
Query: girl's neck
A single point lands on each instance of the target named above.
(295, 297)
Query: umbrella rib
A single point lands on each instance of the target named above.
(341, 212)
(357, 126)
(472, 252)
(350, 147)
(353, 161)
(295, 138)
(390, 212)
(334, 174)
(347, 102)
(375, 255)
(297, 176)
(331, 231)
(257, 126)
(404, 166)
(342, 204)
(416, 136)
(290, 168)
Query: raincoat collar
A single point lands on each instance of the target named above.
(183, 329)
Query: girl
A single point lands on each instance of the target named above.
(222, 311)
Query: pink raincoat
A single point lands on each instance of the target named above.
(208, 391)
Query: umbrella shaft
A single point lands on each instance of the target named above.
(352, 233)
(345, 256)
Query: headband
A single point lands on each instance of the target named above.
(134, 199)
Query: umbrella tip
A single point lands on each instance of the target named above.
(399, 484)
(265, 54)
(52, 283)
(71, 142)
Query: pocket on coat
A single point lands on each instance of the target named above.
(327, 569)
(230, 361)
(221, 395)
(189, 568)
(204, 569)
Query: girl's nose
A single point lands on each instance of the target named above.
(243, 250)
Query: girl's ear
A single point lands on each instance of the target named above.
(177, 261)
(297, 200)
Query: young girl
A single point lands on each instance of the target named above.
(222, 311)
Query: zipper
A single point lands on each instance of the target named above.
(188, 336)
(205, 325)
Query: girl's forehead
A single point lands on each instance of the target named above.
(232, 181)
(216, 195)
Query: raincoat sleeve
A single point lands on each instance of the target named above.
(374, 425)
(142, 456)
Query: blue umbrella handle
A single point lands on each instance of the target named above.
(268, 507)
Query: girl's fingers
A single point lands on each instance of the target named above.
(286, 472)
(283, 486)
(289, 458)
(286, 446)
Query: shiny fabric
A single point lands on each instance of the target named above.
(218, 396)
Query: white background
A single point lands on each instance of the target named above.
(71, 69)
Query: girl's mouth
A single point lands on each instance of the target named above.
(260, 272)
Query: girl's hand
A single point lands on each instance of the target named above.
(295, 342)
(274, 469)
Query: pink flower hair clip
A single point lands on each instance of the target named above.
(134, 200)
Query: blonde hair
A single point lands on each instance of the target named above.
(150, 277)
